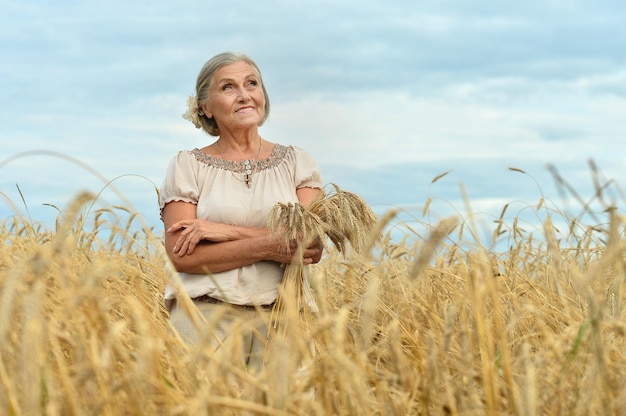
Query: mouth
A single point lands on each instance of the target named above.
(245, 109)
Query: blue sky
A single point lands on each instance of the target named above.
(385, 95)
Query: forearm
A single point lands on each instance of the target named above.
(218, 257)
(199, 230)
(235, 232)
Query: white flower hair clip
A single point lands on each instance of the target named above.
(194, 111)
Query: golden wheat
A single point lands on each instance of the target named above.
(437, 326)
(337, 215)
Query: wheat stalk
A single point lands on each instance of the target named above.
(339, 216)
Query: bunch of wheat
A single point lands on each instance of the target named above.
(336, 215)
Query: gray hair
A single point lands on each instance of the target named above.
(205, 80)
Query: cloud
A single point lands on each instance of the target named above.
(370, 129)
(384, 95)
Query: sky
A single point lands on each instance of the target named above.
(490, 98)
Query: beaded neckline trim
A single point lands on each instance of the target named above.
(275, 158)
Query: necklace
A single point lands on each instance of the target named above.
(247, 164)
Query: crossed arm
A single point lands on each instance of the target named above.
(200, 246)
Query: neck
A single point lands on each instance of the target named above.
(240, 141)
(238, 150)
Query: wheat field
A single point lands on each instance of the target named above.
(432, 325)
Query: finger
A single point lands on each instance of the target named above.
(191, 245)
(178, 225)
(178, 244)
(311, 252)
(181, 244)
(184, 247)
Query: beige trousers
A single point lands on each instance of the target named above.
(242, 333)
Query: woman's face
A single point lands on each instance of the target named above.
(236, 99)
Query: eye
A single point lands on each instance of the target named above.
(253, 83)
(227, 87)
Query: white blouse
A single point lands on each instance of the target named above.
(219, 190)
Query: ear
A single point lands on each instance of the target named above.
(205, 110)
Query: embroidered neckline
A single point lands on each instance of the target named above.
(275, 158)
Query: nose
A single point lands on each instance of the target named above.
(243, 94)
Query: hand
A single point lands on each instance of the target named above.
(318, 249)
(195, 231)
(289, 254)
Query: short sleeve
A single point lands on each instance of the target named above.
(307, 173)
(180, 183)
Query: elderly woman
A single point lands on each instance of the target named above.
(215, 203)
